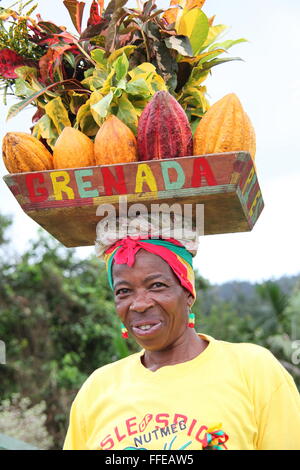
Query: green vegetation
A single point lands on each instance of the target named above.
(58, 321)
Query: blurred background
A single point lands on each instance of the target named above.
(57, 315)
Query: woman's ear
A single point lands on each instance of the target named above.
(191, 300)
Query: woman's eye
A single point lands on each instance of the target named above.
(158, 284)
(121, 291)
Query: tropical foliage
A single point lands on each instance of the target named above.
(113, 65)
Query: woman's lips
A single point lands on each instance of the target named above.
(154, 327)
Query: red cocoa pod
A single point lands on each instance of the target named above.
(164, 130)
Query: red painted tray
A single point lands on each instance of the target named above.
(64, 202)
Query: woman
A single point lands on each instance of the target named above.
(183, 390)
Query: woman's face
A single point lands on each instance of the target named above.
(150, 301)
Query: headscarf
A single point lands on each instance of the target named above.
(170, 250)
(124, 237)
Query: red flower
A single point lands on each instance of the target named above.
(9, 61)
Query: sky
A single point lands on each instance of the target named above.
(268, 85)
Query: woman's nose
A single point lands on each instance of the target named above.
(141, 302)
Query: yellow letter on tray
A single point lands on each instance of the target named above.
(145, 175)
(60, 187)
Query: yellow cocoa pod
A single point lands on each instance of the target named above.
(73, 149)
(115, 143)
(24, 153)
(225, 127)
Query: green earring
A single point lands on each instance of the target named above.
(191, 323)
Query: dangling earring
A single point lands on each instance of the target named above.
(124, 331)
(191, 323)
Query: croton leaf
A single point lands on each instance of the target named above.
(128, 50)
(75, 10)
(121, 66)
(98, 55)
(5, 13)
(22, 88)
(138, 87)
(101, 108)
(16, 108)
(58, 114)
(194, 25)
(45, 128)
(50, 28)
(180, 44)
(96, 12)
(127, 113)
(9, 61)
(85, 120)
(117, 13)
(95, 97)
(171, 14)
(213, 33)
(212, 63)
(51, 60)
(77, 100)
(113, 6)
(227, 44)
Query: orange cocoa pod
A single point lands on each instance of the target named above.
(24, 153)
(115, 143)
(225, 127)
(73, 149)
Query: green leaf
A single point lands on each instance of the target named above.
(26, 72)
(121, 66)
(128, 50)
(95, 97)
(213, 33)
(45, 128)
(194, 24)
(143, 70)
(85, 120)
(22, 88)
(138, 87)
(196, 97)
(98, 55)
(198, 75)
(96, 80)
(77, 100)
(212, 63)
(101, 108)
(58, 114)
(181, 44)
(194, 125)
(16, 108)
(118, 92)
(127, 113)
(227, 44)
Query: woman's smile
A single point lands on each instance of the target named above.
(147, 328)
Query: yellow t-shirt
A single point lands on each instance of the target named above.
(232, 395)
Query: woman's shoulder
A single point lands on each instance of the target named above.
(250, 351)
(256, 361)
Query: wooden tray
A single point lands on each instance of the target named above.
(64, 202)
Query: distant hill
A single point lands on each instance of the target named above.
(242, 293)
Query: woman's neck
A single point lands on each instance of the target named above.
(185, 348)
